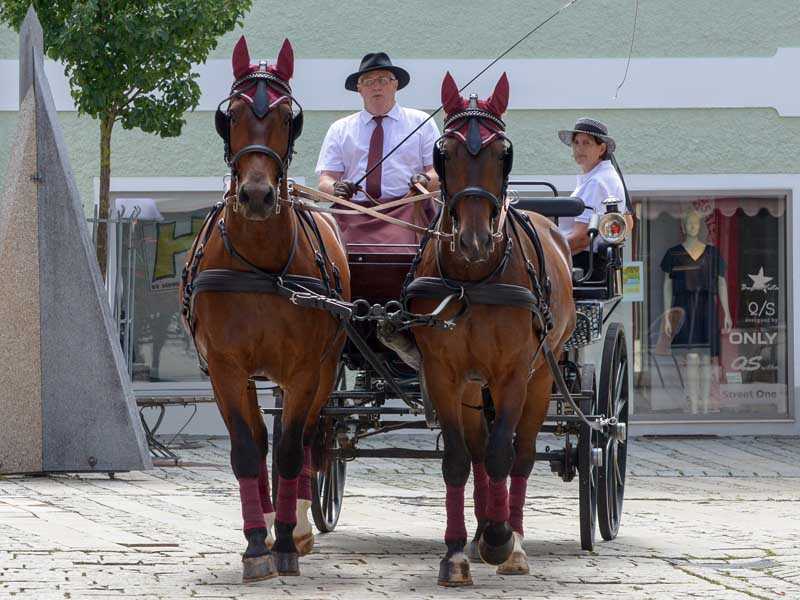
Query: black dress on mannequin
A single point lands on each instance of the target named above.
(695, 289)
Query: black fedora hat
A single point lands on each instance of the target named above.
(373, 62)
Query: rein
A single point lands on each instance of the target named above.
(301, 191)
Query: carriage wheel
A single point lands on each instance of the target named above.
(613, 400)
(327, 493)
(327, 487)
(588, 440)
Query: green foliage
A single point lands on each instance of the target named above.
(130, 60)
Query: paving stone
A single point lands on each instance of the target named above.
(721, 528)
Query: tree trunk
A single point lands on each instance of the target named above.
(106, 125)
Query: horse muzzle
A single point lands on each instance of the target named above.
(258, 202)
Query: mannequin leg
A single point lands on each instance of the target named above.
(693, 380)
(705, 381)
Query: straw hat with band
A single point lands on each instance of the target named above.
(591, 127)
(373, 62)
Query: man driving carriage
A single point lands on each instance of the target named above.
(356, 143)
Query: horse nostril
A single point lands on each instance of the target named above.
(269, 196)
(244, 197)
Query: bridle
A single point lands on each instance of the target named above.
(260, 106)
(474, 144)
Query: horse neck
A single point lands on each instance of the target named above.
(454, 266)
(267, 244)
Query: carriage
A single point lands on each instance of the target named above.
(377, 392)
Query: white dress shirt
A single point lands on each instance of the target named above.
(593, 187)
(346, 148)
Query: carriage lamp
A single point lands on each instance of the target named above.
(612, 204)
(612, 228)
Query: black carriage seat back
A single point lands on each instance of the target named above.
(559, 206)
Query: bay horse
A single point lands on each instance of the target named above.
(254, 254)
(495, 342)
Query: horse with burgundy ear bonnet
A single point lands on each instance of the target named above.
(243, 287)
(511, 272)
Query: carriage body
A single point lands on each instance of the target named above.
(369, 400)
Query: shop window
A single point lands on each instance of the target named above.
(150, 240)
(710, 337)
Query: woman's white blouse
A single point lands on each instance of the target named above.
(593, 187)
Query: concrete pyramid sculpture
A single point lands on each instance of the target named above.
(66, 402)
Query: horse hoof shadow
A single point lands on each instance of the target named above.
(287, 564)
(454, 571)
(517, 561)
(496, 543)
(258, 568)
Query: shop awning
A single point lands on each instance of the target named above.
(652, 207)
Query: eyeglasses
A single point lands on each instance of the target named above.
(381, 81)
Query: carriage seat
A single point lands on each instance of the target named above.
(597, 286)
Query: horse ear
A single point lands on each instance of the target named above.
(241, 59)
(498, 101)
(451, 99)
(284, 68)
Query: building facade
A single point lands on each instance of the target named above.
(707, 123)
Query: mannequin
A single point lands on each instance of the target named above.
(695, 280)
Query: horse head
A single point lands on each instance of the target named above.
(473, 160)
(259, 129)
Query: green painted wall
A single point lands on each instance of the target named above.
(413, 28)
(650, 141)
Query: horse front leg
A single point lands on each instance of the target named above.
(303, 533)
(245, 427)
(446, 395)
(497, 542)
(298, 400)
(533, 415)
(475, 434)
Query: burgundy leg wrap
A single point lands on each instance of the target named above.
(498, 501)
(263, 486)
(304, 486)
(516, 500)
(251, 503)
(480, 489)
(456, 529)
(287, 500)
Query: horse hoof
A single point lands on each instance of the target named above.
(304, 544)
(454, 571)
(286, 563)
(495, 555)
(258, 568)
(472, 551)
(517, 562)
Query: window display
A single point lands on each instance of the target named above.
(161, 349)
(711, 333)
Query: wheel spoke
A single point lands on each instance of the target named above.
(332, 496)
(619, 383)
(621, 404)
(326, 496)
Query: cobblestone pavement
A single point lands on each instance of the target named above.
(703, 518)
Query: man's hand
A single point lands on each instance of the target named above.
(419, 178)
(345, 189)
